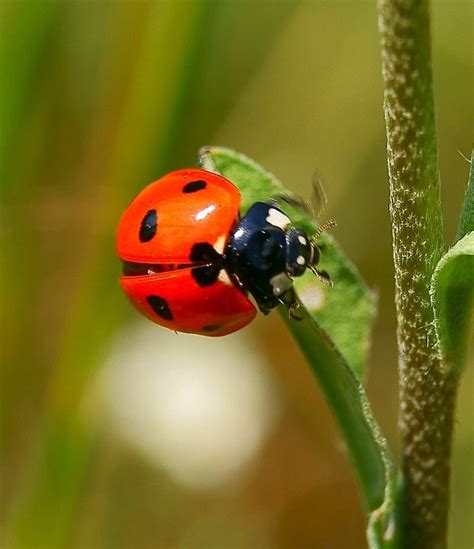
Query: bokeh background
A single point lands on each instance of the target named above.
(116, 433)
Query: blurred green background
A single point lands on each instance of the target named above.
(116, 433)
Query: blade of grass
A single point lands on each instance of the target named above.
(23, 36)
(156, 102)
(44, 510)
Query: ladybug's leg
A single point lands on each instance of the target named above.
(264, 298)
(317, 247)
(295, 310)
(322, 275)
(265, 305)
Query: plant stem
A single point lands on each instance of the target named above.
(427, 395)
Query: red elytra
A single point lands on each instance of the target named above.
(166, 238)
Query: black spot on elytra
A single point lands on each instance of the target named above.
(205, 275)
(160, 306)
(148, 226)
(210, 261)
(203, 252)
(194, 186)
(211, 328)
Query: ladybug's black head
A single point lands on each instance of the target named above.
(303, 253)
(299, 251)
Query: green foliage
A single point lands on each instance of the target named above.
(345, 311)
(452, 290)
(334, 338)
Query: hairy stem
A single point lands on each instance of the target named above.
(427, 395)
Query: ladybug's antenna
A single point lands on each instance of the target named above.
(322, 275)
(324, 227)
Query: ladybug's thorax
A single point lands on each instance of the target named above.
(264, 252)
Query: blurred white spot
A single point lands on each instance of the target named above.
(199, 407)
(300, 260)
(312, 296)
(302, 240)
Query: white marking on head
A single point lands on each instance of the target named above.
(205, 212)
(219, 244)
(277, 218)
(302, 240)
(300, 260)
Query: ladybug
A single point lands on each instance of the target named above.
(192, 264)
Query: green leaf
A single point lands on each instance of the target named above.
(335, 321)
(346, 311)
(452, 293)
(367, 446)
(452, 289)
(466, 222)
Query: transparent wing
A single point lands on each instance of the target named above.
(318, 196)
